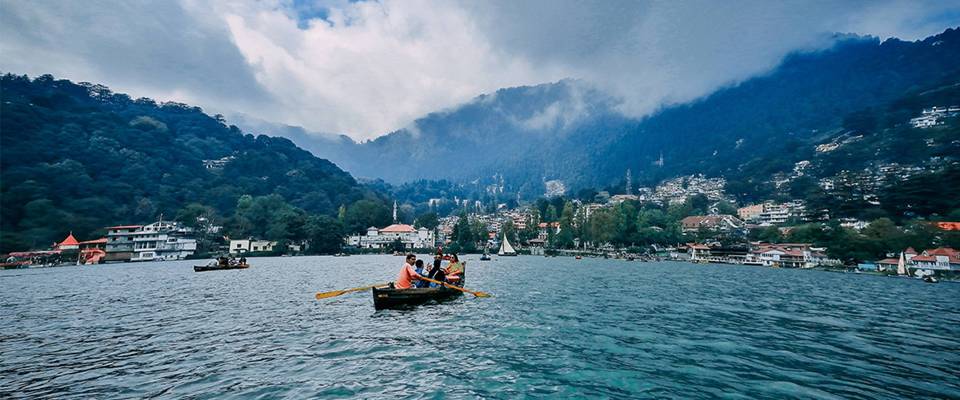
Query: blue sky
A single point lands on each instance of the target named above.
(365, 68)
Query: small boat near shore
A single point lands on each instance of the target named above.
(204, 268)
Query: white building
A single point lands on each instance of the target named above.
(384, 238)
(162, 241)
(934, 116)
(250, 246)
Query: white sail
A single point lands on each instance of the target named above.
(901, 265)
(506, 249)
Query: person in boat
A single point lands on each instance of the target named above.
(420, 271)
(454, 270)
(223, 261)
(408, 273)
(243, 260)
(437, 273)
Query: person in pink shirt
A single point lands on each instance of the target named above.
(408, 274)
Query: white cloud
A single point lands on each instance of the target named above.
(367, 68)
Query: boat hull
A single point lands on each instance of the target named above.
(386, 298)
(204, 268)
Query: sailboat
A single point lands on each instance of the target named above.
(505, 248)
(902, 266)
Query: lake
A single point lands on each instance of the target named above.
(556, 327)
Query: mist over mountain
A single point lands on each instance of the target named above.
(571, 132)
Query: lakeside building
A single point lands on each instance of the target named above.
(250, 245)
(698, 252)
(938, 259)
(162, 241)
(68, 243)
(787, 255)
(376, 238)
(120, 242)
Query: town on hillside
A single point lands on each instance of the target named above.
(689, 218)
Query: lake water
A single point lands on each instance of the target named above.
(557, 327)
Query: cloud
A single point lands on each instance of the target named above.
(157, 49)
(367, 68)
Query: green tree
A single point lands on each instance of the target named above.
(428, 220)
(564, 238)
(324, 234)
(364, 214)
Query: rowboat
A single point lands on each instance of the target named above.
(388, 297)
(202, 268)
(385, 298)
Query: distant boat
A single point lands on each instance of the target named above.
(506, 249)
(902, 265)
(214, 267)
(485, 257)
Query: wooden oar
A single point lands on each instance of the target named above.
(335, 293)
(478, 294)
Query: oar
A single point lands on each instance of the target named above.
(478, 294)
(335, 293)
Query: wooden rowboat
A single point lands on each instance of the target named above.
(386, 297)
(202, 268)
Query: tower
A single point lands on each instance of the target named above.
(394, 211)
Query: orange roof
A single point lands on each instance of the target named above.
(398, 228)
(889, 261)
(95, 241)
(69, 241)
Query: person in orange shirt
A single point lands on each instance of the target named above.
(407, 274)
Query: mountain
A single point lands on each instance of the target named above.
(80, 157)
(746, 132)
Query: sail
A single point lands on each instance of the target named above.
(901, 265)
(506, 249)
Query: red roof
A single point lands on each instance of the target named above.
(398, 228)
(889, 261)
(95, 241)
(69, 241)
(924, 258)
(124, 227)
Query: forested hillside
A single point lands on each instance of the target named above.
(78, 157)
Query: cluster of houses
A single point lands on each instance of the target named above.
(939, 259)
(778, 255)
(159, 241)
(934, 116)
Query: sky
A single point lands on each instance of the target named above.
(366, 68)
